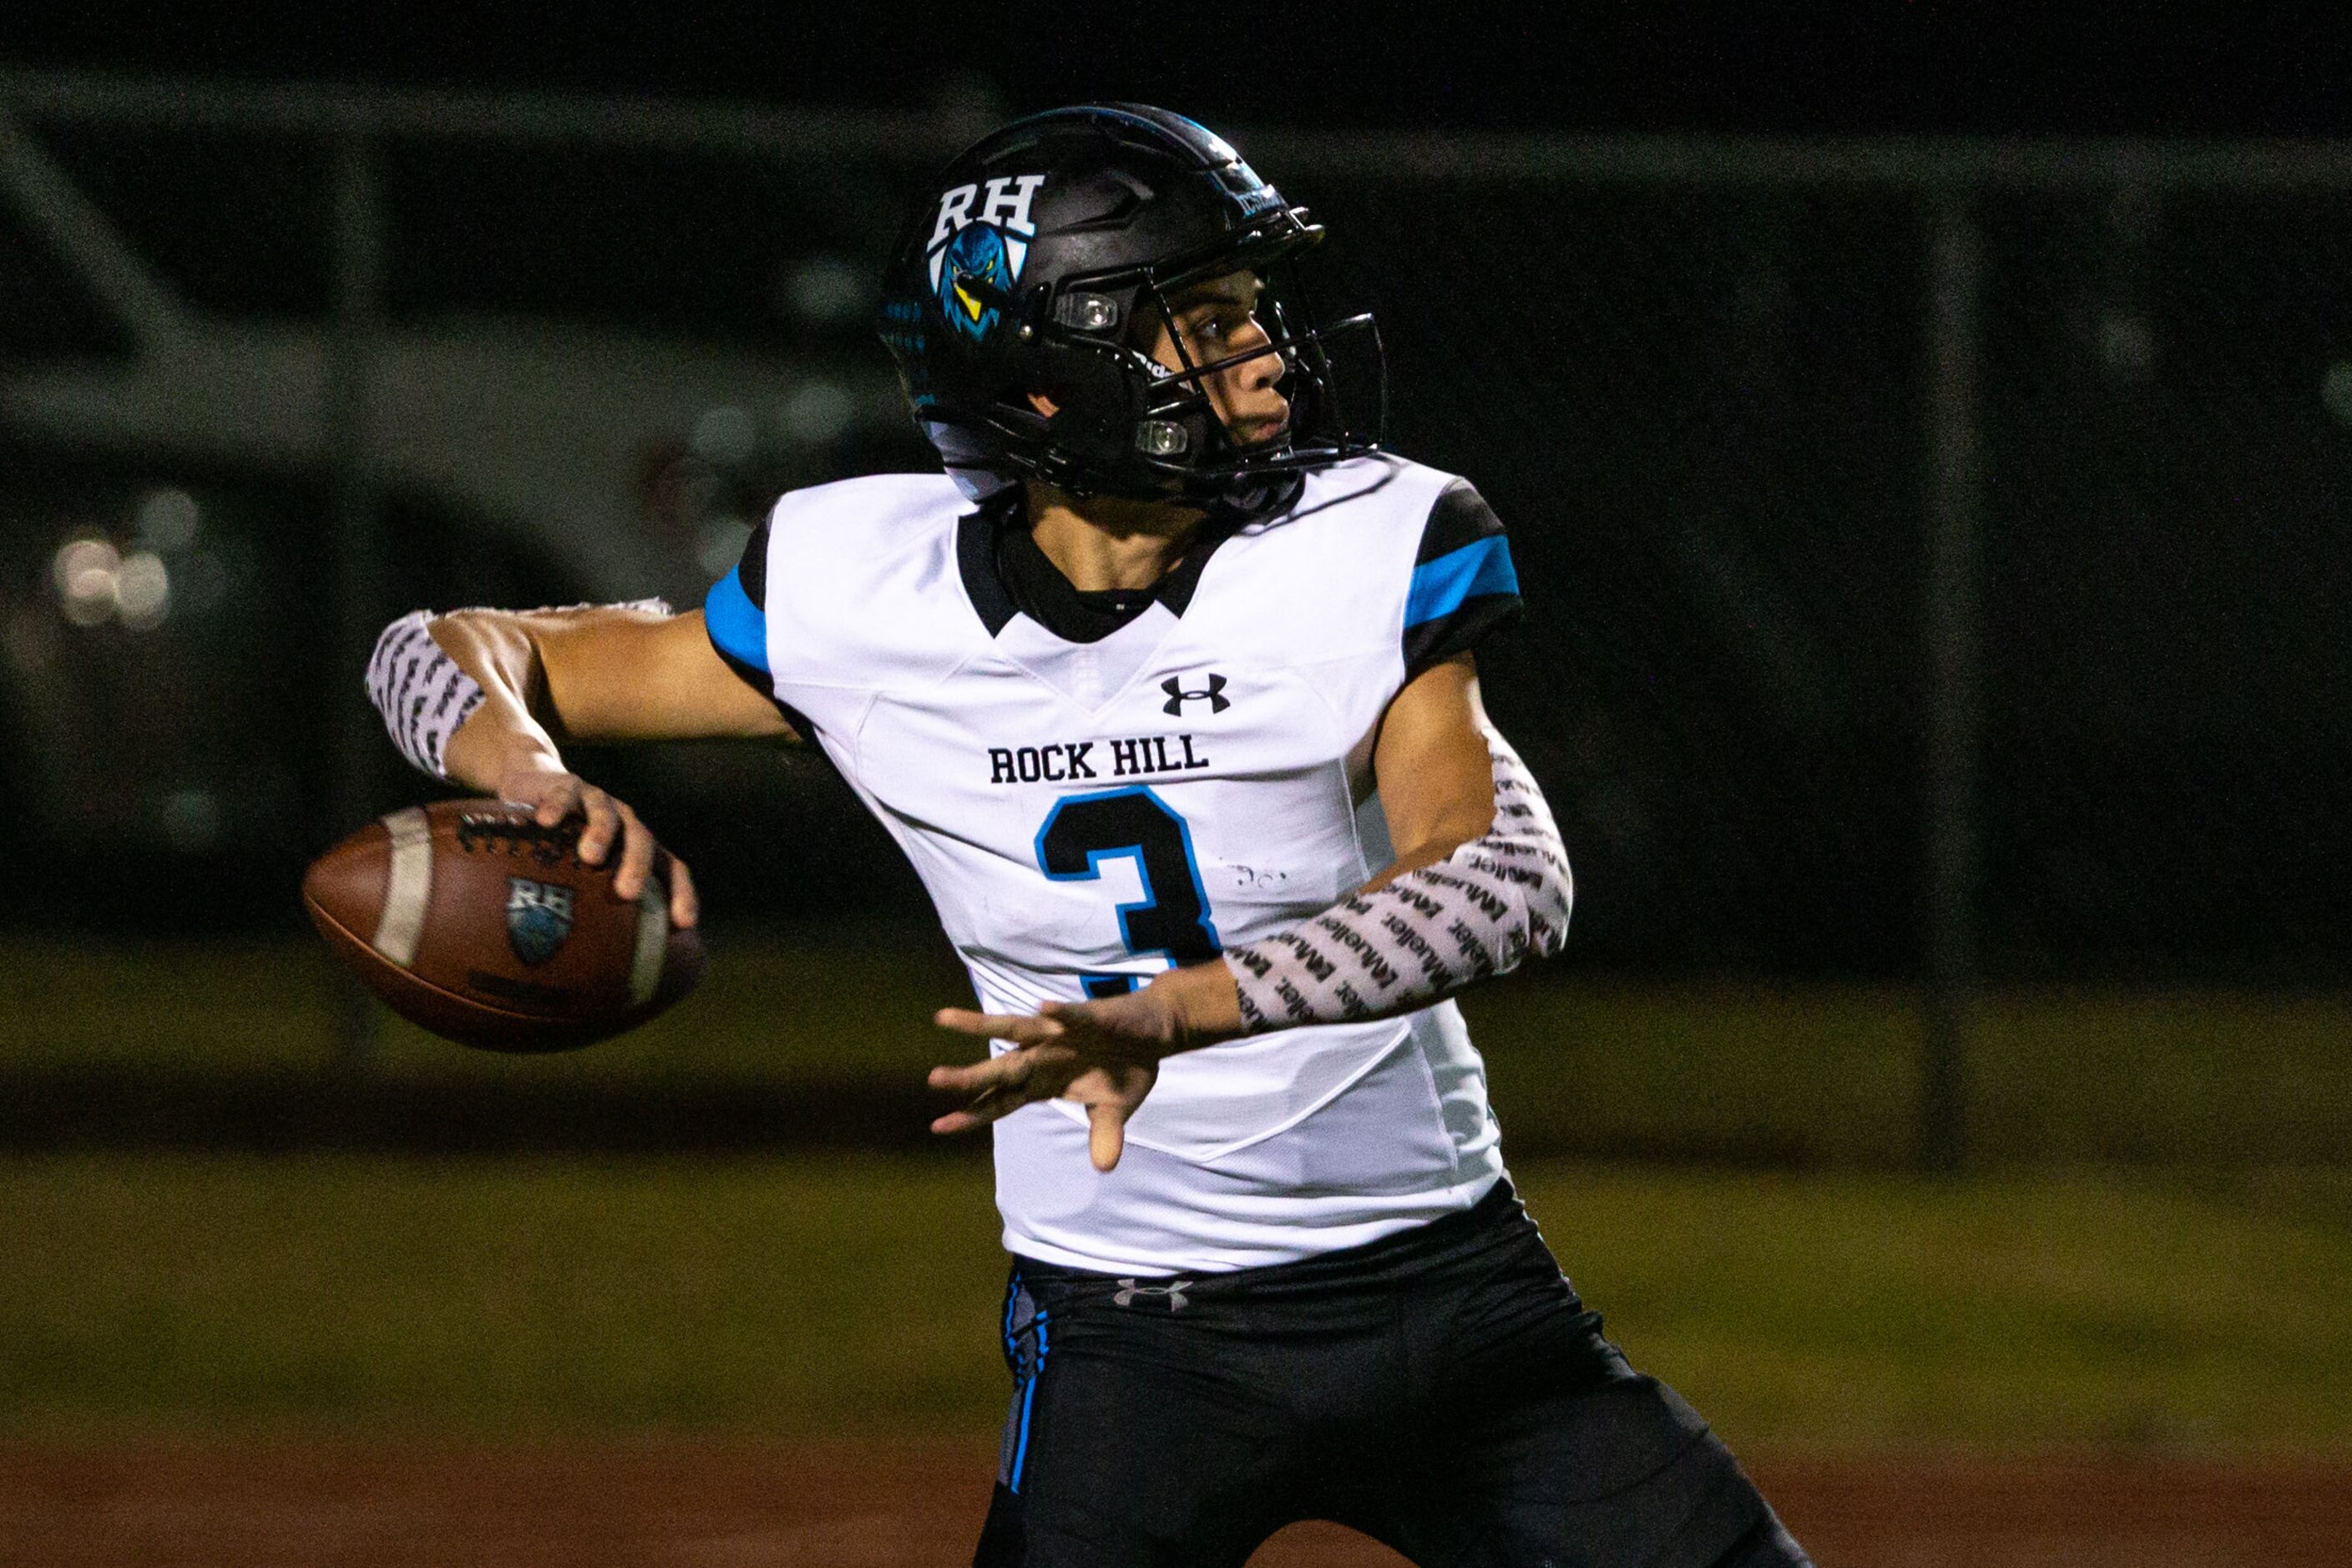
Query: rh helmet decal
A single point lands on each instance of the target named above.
(988, 246)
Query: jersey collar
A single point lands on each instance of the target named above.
(1005, 574)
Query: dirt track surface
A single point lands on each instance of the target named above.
(680, 1505)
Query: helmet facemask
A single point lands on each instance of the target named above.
(1128, 425)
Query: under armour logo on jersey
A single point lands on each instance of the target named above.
(1213, 694)
(1128, 1291)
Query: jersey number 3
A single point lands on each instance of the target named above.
(1083, 831)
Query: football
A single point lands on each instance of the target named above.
(471, 920)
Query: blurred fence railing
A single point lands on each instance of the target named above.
(1933, 547)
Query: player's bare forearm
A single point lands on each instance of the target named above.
(1430, 759)
(601, 673)
(598, 674)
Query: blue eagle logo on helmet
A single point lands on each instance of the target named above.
(975, 255)
(982, 236)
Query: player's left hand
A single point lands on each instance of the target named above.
(1103, 1053)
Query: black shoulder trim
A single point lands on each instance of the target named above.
(750, 573)
(1459, 517)
(1434, 642)
(976, 562)
(751, 570)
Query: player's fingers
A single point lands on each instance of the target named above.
(987, 1025)
(637, 853)
(981, 1112)
(1065, 1012)
(997, 1025)
(1116, 1024)
(1012, 1069)
(1106, 1134)
(604, 822)
(551, 796)
(997, 1097)
(999, 1101)
(685, 907)
(954, 1080)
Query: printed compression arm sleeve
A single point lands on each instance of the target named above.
(1427, 934)
(420, 692)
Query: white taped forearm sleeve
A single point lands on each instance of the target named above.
(1426, 934)
(422, 693)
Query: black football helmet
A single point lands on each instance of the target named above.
(1044, 260)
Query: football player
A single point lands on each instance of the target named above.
(1166, 686)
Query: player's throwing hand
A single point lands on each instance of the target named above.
(554, 795)
(1105, 1054)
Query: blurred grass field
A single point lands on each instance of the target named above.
(2157, 1254)
(1777, 1074)
(400, 1295)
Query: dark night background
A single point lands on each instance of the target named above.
(1905, 67)
(1698, 407)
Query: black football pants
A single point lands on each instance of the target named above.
(1442, 1390)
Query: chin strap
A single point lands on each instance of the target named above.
(1427, 934)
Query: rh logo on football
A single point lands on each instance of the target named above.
(539, 918)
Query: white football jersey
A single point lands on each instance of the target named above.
(1087, 814)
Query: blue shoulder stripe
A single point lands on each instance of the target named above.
(738, 627)
(1441, 586)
